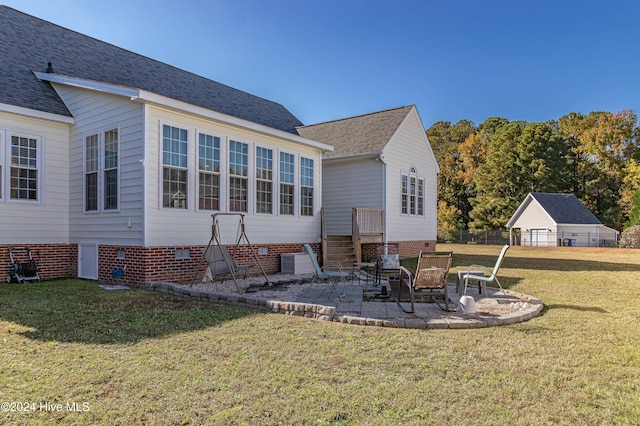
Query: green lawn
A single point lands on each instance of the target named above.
(135, 357)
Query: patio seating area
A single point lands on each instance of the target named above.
(363, 304)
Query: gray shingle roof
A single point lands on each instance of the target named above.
(565, 209)
(28, 43)
(363, 134)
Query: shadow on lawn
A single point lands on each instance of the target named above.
(81, 312)
(515, 262)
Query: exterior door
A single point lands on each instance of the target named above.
(539, 237)
(88, 261)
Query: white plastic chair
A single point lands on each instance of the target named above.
(471, 273)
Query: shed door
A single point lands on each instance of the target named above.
(539, 237)
(88, 261)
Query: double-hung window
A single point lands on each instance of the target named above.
(287, 181)
(111, 169)
(91, 169)
(101, 158)
(209, 172)
(238, 176)
(23, 184)
(174, 167)
(264, 180)
(412, 193)
(306, 186)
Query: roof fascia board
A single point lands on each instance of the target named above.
(350, 157)
(521, 208)
(138, 95)
(113, 89)
(36, 114)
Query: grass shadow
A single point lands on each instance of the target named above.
(80, 311)
(577, 308)
(548, 264)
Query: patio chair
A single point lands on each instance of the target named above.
(388, 261)
(335, 278)
(430, 279)
(476, 273)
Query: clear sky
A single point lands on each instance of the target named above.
(530, 60)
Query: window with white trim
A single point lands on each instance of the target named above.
(209, 172)
(111, 159)
(174, 167)
(23, 184)
(287, 181)
(412, 193)
(264, 180)
(91, 166)
(306, 186)
(238, 176)
(101, 158)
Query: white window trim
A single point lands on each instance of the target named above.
(300, 186)
(220, 174)
(294, 184)
(273, 180)
(6, 170)
(190, 132)
(249, 179)
(101, 170)
(412, 173)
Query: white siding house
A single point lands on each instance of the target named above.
(111, 159)
(381, 161)
(549, 220)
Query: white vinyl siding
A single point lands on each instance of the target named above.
(119, 221)
(192, 225)
(26, 221)
(409, 147)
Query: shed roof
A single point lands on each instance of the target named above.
(563, 209)
(28, 43)
(362, 134)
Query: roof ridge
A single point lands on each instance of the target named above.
(356, 116)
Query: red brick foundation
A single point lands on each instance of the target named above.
(54, 260)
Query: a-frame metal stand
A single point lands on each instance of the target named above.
(218, 259)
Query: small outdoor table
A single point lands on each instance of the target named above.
(360, 265)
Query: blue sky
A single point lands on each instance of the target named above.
(330, 59)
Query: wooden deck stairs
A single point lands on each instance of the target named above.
(340, 249)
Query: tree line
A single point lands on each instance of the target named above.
(486, 171)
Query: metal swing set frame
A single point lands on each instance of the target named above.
(219, 261)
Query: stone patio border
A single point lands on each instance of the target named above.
(329, 313)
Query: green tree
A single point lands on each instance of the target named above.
(445, 140)
(543, 158)
(449, 221)
(634, 214)
(499, 180)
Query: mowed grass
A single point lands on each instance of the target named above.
(135, 357)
